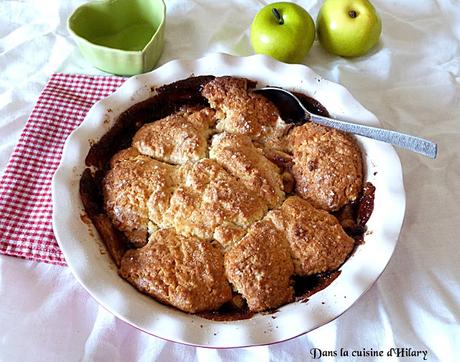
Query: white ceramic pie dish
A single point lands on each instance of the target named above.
(92, 266)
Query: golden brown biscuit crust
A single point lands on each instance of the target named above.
(243, 112)
(130, 185)
(327, 166)
(260, 267)
(228, 234)
(239, 156)
(186, 272)
(178, 138)
(316, 239)
(208, 196)
(221, 200)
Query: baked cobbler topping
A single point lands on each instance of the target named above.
(222, 202)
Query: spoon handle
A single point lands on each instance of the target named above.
(412, 143)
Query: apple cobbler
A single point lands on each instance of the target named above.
(207, 200)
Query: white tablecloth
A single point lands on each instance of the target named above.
(411, 82)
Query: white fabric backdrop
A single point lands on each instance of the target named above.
(411, 82)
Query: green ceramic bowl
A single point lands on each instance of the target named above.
(122, 37)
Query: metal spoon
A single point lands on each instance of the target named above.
(296, 113)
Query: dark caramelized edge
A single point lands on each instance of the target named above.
(167, 100)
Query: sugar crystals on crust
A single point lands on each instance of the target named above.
(185, 272)
(327, 166)
(238, 155)
(208, 196)
(178, 138)
(242, 111)
(133, 181)
(260, 267)
(317, 241)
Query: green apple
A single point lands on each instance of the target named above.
(349, 28)
(284, 31)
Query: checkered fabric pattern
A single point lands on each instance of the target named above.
(25, 187)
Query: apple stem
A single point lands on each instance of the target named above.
(278, 16)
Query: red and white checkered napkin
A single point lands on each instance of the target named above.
(25, 187)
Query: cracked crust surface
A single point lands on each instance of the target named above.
(241, 111)
(316, 239)
(222, 196)
(185, 272)
(178, 138)
(260, 267)
(327, 166)
(208, 197)
(238, 154)
(132, 184)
